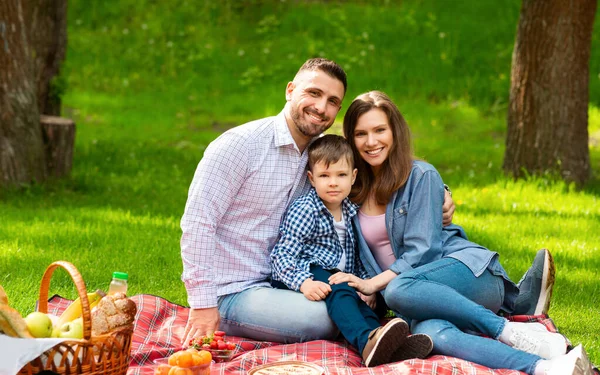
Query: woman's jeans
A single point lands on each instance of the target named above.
(447, 302)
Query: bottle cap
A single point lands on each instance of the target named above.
(120, 275)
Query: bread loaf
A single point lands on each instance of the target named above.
(112, 312)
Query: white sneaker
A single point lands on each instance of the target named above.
(534, 338)
(575, 362)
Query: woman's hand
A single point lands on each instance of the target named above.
(363, 286)
(315, 290)
(371, 300)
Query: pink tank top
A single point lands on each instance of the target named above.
(375, 234)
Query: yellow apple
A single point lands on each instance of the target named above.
(71, 330)
(39, 324)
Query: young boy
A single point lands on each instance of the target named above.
(316, 240)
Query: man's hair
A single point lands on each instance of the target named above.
(328, 149)
(330, 67)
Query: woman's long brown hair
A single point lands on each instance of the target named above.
(395, 170)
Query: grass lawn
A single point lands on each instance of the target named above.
(149, 90)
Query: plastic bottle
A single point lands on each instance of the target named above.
(118, 283)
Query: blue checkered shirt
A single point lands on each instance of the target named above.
(307, 236)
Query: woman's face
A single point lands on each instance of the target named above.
(373, 137)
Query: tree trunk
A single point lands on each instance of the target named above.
(548, 109)
(48, 34)
(59, 138)
(22, 158)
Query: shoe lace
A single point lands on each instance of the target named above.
(522, 341)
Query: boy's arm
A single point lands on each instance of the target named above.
(286, 263)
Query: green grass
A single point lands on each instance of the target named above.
(149, 90)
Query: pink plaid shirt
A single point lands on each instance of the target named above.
(242, 187)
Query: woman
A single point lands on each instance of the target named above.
(448, 287)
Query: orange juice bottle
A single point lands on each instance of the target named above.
(118, 283)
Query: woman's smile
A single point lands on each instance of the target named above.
(373, 137)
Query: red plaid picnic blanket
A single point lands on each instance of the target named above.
(160, 324)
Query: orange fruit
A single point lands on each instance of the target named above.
(162, 369)
(185, 359)
(202, 358)
(173, 358)
(176, 370)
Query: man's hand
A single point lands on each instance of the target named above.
(201, 322)
(447, 208)
(363, 286)
(371, 300)
(315, 290)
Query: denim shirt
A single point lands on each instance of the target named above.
(414, 224)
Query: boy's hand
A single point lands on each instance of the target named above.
(363, 286)
(315, 290)
(371, 300)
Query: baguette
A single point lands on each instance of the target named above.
(12, 323)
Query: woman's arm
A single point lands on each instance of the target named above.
(366, 287)
(419, 232)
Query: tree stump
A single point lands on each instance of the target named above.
(59, 142)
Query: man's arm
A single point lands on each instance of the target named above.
(218, 178)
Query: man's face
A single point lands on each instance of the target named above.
(315, 98)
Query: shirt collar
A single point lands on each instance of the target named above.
(283, 137)
(348, 208)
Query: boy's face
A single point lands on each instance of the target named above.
(332, 183)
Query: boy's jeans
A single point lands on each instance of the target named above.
(446, 301)
(354, 318)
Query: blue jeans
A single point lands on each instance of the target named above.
(353, 317)
(447, 302)
(269, 314)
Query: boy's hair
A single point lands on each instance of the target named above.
(331, 68)
(328, 149)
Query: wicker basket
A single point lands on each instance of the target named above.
(93, 355)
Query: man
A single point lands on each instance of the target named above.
(242, 187)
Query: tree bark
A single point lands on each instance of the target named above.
(48, 33)
(59, 139)
(548, 108)
(22, 158)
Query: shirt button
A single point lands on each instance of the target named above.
(401, 211)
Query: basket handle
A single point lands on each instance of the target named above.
(81, 290)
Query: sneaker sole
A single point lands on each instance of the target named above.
(583, 366)
(415, 346)
(393, 335)
(548, 277)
